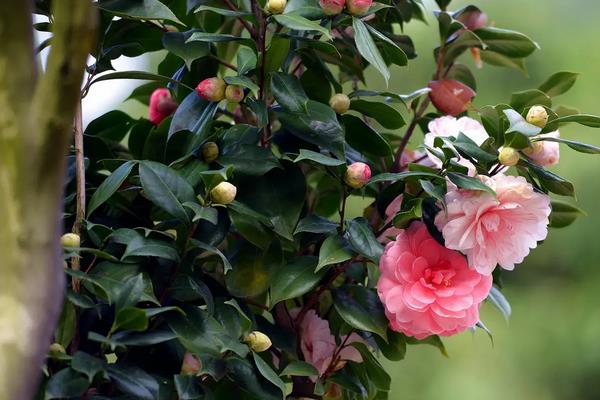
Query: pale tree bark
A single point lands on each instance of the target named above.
(36, 116)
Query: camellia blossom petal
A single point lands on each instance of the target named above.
(495, 230)
(545, 152)
(427, 289)
(318, 343)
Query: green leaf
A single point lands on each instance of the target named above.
(294, 279)
(361, 308)
(374, 369)
(316, 224)
(499, 301)
(113, 126)
(188, 387)
(298, 23)
(289, 93)
(318, 158)
(110, 186)
(277, 53)
(245, 323)
(141, 246)
(134, 381)
(400, 176)
(319, 126)
(577, 146)
(363, 240)
(66, 383)
(209, 214)
(139, 10)
(365, 139)
(367, 47)
(564, 214)
(242, 81)
(519, 124)
(87, 365)
(251, 273)
(65, 328)
(113, 277)
(130, 318)
(387, 116)
(549, 180)
(248, 159)
(218, 38)
(213, 250)
(527, 98)
(500, 60)
(558, 83)
(395, 348)
(299, 368)
(142, 75)
(395, 54)
(246, 60)
(433, 340)
(583, 119)
(166, 189)
(267, 372)
(248, 378)
(509, 43)
(176, 43)
(334, 250)
(468, 182)
(222, 11)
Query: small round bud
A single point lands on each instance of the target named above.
(212, 89)
(537, 116)
(357, 175)
(224, 193)
(56, 350)
(358, 7)
(70, 240)
(508, 157)
(161, 105)
(258, 341)
(276, 6)
(210, 152)
(191, 364)
(234, 93)
(332, 7)
(340, 103)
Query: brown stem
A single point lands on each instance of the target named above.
(261, 45)
(80, 179)
(248, 27)
(224, 63)
(409, 131)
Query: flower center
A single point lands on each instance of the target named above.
(439, 277)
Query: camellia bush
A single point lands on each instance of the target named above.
(215, 249)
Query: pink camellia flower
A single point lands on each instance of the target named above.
(415, 157)
(427, 289)
(358, 7)
(357, 175)
(332, 7)
(212, 89)
(543, 152)
(318, 344)
(161, 105)
(450, 96)
(495, 230)
(448, 126)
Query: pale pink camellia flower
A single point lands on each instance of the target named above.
(448, 126)
(161, 105)
(358, 7)
(427, 289)
(543, 152)
(318, 343)
(495, 230)
(332, 7)
(357, 175)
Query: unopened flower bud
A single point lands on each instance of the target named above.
(508, 157)
(191, 365)
(56, 350)
(161, 105)
(212, 89)
(258, 341)
(450, 97)
(332, 7)
(537, 116)
(358, 7)
(234, 93)
(357, 175)
(276, 6)
(224, 193)
(210, 152)
(340, 103)
(70, 240)
(535, 148)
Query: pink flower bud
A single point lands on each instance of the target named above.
(473, 19)
(161, 105)
(234, 93)
(332, 7)
(211, 89)
(450, 97)
(357, 175)
(191, 364)
(224, 193)
(358, 7)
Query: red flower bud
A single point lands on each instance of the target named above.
(211, 89)
(358, 7)
(332, 7)
(473, 19)
(450, 97)
(357, 175)
(161, 105)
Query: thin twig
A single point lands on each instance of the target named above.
(224, 63)
(248, 27)
(409, 131)
(80, 179)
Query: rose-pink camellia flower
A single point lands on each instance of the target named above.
(318, 344)
(495, 230)
(545, 152)
(427, 289)
(332, 7)
(448, 126)
(161, 105)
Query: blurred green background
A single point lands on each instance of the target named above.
(550, 349)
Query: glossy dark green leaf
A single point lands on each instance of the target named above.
(289, 93)
(65, 327)
(294, 279)
(248, 159)
(251, 273)
(368, 49)
(267, 372)
(246, 60)
(399, 176)
(496, 297)
(500, 60)
(387, 116)
(361, 308)
(299, 23)
(549, 180)
(113, 126)
(209, 214)
(139, 9)
(509, 43)
(110, 186)
(558, 83)
(113, 277)
(365, 139)
(395, 347)
(319, 158)
(176, 43)
(527, 98)
(316, 224)
(188, 387)
(249, 379)
(334, 250)
(564, 214)
(299, 368)
(577, 146)
(142, 75)
(375, 370)
(134, 381)
(214, 250)
(393, 52)
(130, 318)
(363, 240)
(222, 11)
(66, 383)
(583, 119)
(468, 182)
(86, 364)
